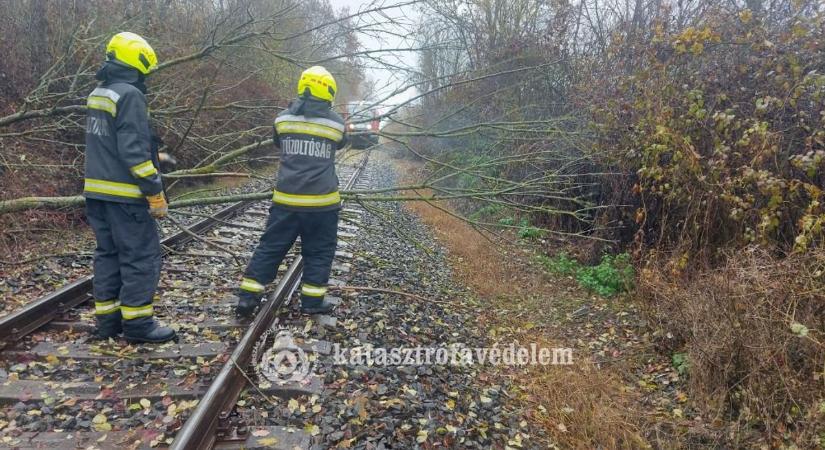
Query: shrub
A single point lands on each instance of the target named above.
(750, 334)
(486, 211)
(526, 231)
(614, 274)
(561, 264)
(723, 126)
(507, 221)
(681, 363)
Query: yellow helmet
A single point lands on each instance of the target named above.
(133, 51)
(319, 82)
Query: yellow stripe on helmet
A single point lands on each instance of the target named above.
(319, 82)
(133, 51)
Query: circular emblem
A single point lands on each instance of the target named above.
(278, 359)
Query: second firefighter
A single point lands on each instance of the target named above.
(306, 201)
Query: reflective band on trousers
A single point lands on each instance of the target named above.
(250, 285)
(313, 291)
(112, 188)
(312, 129)
(144, 169)
(107, 307)
(135, 312)
(306, 199)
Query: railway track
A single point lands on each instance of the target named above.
(67, 391)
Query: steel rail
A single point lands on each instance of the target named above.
(34, 315)
(199, 431)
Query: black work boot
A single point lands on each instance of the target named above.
(108, 326)
(315, 305)
(146, 329)
(246, 306)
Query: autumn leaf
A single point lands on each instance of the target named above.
(268, 442)
(292, 405)
(799, 329)
(101, 423)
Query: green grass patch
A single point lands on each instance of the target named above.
(486, 211)
(681, 363)
(526, 231)
(560, 264)
(614, 274)
(507, 221)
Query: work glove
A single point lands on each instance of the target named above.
(157, 205)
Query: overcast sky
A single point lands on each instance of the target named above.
(387, 80)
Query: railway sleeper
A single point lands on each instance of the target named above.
(285, 438)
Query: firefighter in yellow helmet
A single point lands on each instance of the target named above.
(306, 200)
(124, 194)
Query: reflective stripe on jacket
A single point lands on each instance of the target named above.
(308, 134)
(119, 162)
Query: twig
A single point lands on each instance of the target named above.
(252, 383)
(38, 258)
(196, 192)
(222, 222)
(213, 175)
(389, 222)
(391, 291)
(205, 241)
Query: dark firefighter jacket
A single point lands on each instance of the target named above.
(308, 133)
(120, 163)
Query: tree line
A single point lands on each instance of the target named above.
(689, 134)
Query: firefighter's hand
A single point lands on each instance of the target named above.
(157, 205)
(167, 162)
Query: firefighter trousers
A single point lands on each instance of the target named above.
(127, 262)
(319, 237)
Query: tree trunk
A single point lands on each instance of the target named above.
(38, 35)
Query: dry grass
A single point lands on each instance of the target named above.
(751, 371)
(579, 406)
(586, 407)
